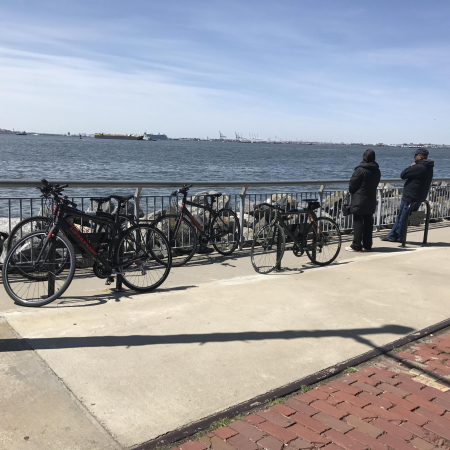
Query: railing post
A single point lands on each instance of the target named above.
(320, 193)
(427, 222)
(241, 210)
(137, 195)
(380, 204)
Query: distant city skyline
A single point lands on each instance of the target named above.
(309, 70)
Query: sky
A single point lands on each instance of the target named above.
(318, 70)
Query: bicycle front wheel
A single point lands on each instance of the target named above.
(38, 269)
(183, 244)
(268, 248)
(323, 241)
(143, 258)
(225, 231)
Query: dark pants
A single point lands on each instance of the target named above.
(363, 226)
(397, 230)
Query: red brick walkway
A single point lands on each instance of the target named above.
(400, 403)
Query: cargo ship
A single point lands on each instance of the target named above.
(133, 137)
(156, 137)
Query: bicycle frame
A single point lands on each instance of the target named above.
(62, 215)
(185, 212)
(311, 218)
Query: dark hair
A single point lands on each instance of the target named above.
(369, 155)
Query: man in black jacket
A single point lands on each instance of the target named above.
(418, 181)
(363, 187)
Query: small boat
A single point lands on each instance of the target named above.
(21, 133)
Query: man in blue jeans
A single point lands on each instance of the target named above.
(418, 181)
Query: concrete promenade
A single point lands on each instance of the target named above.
(105, 370)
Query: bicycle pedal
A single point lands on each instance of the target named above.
(109, 280)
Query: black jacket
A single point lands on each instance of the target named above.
(418, 181)
(363, 187)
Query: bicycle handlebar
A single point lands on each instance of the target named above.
(56, 191)
(182, 190)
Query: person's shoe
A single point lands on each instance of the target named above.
(388, 239)
(350, 249)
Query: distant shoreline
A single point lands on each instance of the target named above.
(237, 141)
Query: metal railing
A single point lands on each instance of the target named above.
(150, 207)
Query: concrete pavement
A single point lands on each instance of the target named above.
(137, 366)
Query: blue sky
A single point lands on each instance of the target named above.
(314, 70)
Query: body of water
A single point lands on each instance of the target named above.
(34, 157)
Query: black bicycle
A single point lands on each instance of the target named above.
(319, 237)
(184, 231)
(40, 266)
(44, 223)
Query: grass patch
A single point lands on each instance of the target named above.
(395, 350)
(351, 370)
(305, 388)
(276, 401)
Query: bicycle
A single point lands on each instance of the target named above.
(44, 223)
(181, 230)
(40, 266)
(319, 237)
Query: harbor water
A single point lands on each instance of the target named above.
(62, 157)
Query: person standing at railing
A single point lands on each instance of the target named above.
(418, 181)
(363, 188)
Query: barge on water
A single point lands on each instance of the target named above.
(133, 137)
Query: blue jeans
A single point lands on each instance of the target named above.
(397, 229)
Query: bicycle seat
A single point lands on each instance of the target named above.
(100, 199)
(215, 195)
(291, 211)
(308, 200)
(313, 205)
(121, 198)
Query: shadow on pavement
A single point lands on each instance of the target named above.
(246, 336)
(305, 267)
(100, 299)
(390, 249)
(429, 244)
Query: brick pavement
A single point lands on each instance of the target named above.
(400, 402)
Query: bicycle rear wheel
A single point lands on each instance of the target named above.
(323, 241)
(225, 231)
(143, 257)
(38, 269)
(268, 248)
(184, 244)
(29, 225)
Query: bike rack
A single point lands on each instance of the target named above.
(427, 223)
(118, 282)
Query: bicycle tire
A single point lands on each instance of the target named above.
(221, 220)
(139, 245)
(268, 248)
(19, 264)
(21, 229)
(184, 245)
(325, 238)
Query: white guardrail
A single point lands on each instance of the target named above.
(150, 207)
